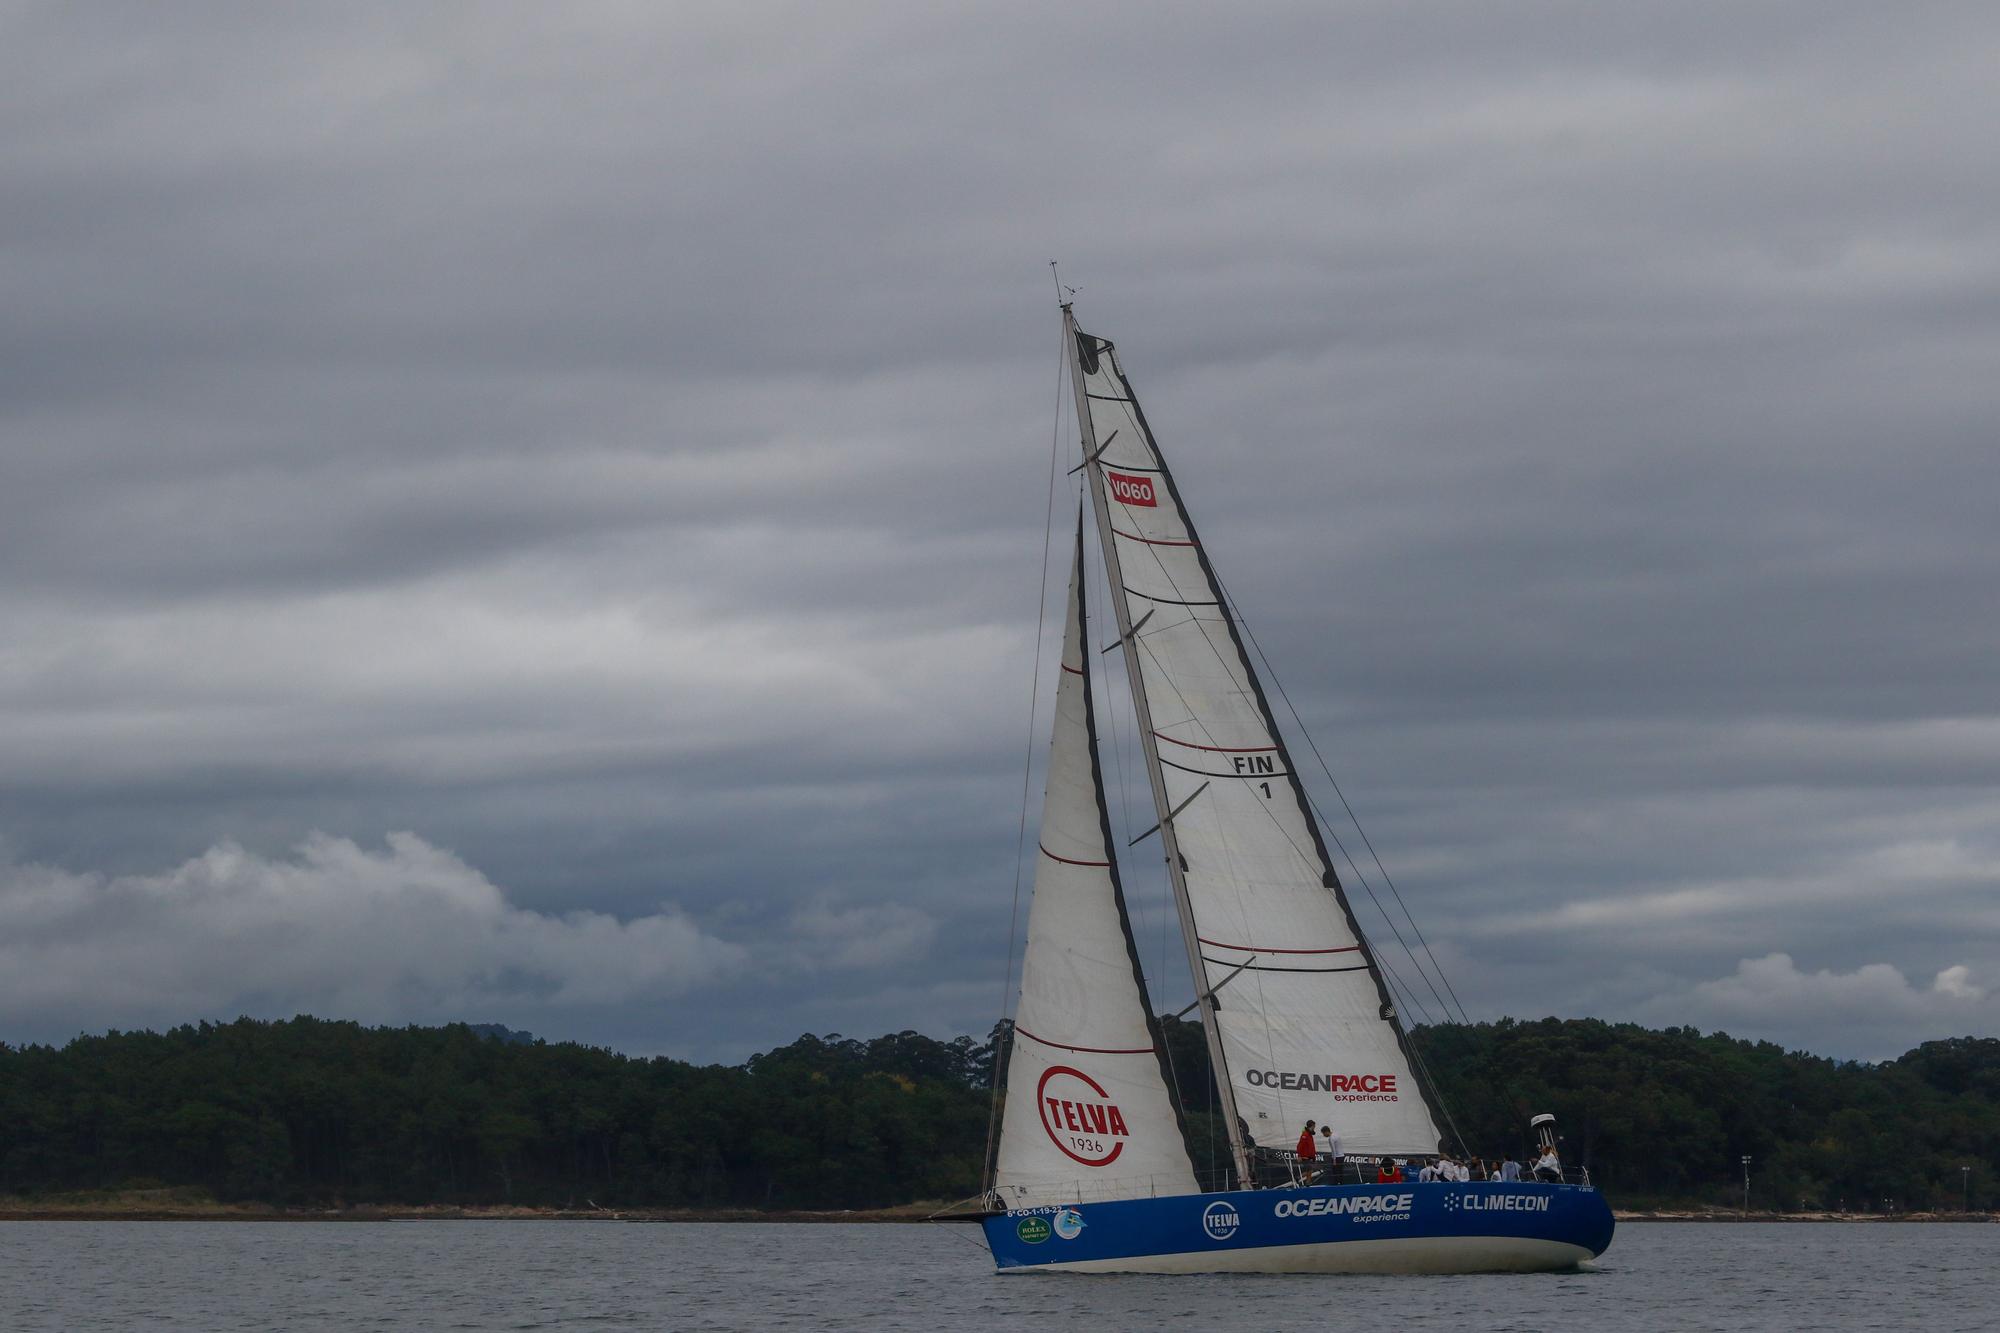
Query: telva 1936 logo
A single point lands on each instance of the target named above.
(1220, 1220)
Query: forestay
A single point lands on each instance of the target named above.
(1306, 1025)
(1087, 1115)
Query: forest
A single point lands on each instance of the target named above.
(315, 1112)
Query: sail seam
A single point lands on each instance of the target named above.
(1218, 749)
(1259, 967)
(1253, 948)
(1150, 541)
(1169, 601)
(1068, 862)
(1087, 1050)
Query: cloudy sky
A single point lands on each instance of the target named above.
(533, 514)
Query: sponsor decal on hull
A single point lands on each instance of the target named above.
(1496, 1203)
(1397, 1228)
(1362, 1208)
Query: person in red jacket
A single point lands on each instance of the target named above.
(1390, 1172)
(1307, 1151)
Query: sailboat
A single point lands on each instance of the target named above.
(1092, 1171)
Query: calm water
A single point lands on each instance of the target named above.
(561, 1275)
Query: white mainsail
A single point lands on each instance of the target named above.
(1087, 1116)
(1304, 1024)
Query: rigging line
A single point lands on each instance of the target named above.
(1221, 660)
(1437, 1096)
(1111, 711)
(1224, 662)
(1308, 861)
(1383, 912)
(1352, 817)
(1125, 814)
(1028, 765)
(1400, 991)
(1395, 893)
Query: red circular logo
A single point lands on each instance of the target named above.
(1079, 1116)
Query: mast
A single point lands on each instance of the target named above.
(1088, 1115)
(1204, 993)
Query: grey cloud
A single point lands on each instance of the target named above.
(1875, 1003)
(411, 931)
(611, 444)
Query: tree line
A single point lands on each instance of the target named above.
(311, 1111)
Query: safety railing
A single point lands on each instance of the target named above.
(1275, 1169)
(1278, 1169)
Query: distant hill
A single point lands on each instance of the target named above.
(502, 1033)
(310, 1110)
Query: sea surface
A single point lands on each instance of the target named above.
(597, 1275)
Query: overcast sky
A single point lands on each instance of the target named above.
(532, 514)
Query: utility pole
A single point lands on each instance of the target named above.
(1965, 1189)
(1746, 1186)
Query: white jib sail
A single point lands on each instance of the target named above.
(1088, 1116)
(1306, 1026)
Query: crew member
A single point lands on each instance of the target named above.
(1548, 1168)
(1336, 1163)
(1307, 1150)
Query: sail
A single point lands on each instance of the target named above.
(1304, 1023)
(1087, 1115)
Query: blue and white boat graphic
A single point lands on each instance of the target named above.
(1410, 1228)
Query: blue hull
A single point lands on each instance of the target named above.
(1411, 1228)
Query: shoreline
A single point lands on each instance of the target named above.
(1733, 1215)
(190, 1206)
(177, 1206)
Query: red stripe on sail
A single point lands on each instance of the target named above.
(1085, 1050)
(1066, 861)
(1150, 541)
(1251, 948)
(1217, 749)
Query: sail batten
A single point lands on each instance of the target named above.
(1309, 1034)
